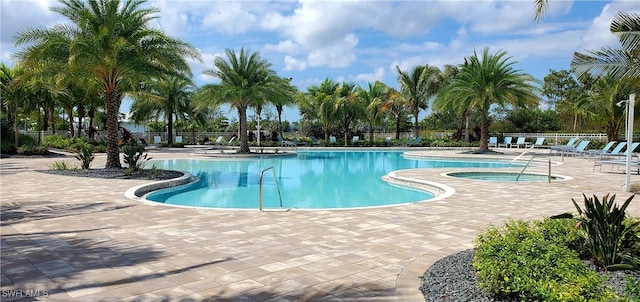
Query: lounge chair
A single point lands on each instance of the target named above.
(284, 143)
(297, 142)
(570, 144)
(387, 140)
(314, 140)
(414, 142)
(605, 159)
(539, 142)
(520, 142)
(581, 147)
(606, 149)
(219, 140)
(507, 142)
(332, 139)
(355, 140)
(144, 142)
(157, 139)
(178, 139)
(493, 141)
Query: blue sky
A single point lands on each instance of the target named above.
(363, 41)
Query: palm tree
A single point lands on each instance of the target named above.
(541, 7)
(374, 98)
(12, 92)
(600, 103)
(168, 96)
(281, 100)
(109, 41)
(417, 87)
(487, 80)
(246, 80)
(397, 106)
(619, 63)
(347, 107)
(319, 104)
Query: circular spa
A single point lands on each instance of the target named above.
(506, 176)
(310, 180)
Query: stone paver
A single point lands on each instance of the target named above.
(82, 239)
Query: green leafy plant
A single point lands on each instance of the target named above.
(134, 156)
(85, 155)
(61, 166)
(606, 230)
(153, 172)
(532, 261)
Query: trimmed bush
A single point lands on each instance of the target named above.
(533, 261)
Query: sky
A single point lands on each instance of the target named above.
(361, 41)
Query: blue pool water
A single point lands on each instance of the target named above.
(313, 179)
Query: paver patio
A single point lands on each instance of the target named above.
(82, 239)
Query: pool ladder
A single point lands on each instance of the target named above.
(529, 162)
(277, 185)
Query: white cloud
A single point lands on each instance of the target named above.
(376, 75)
(230, 18)
(336, 55)
(287, 46)
(292, 63)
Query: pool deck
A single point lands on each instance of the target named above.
(82, 239)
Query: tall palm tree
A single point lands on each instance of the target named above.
(168, 96)
(245, 80)
(110, 41)
(374, 98)
(281, 100)
(417, 87)
(622, 62)
(319, 104)
(348, 108)
(489, 79)
(397, 106)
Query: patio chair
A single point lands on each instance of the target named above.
(507, 142)
(284, 143)
(520, 142)
(570, 144)
(539, 143)
(582, 145)
(604, 150)
(332, 139)
(387, 140)
(157, 139)
(355, 140)
(415, 142)
(314, 140)
(178, 139)
(493, 141)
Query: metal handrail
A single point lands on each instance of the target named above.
(277, 185)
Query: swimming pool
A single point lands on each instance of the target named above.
(311, 180)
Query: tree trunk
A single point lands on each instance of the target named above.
(111, 110)
(371, 135)
(16, 127)
(279, 108)
(81, 114)
(244, 142)
(417, 128)
(170, 127)
(72, 130)
(326, 135)
(346, 134)
(397, 126)
(484, 133)
(466, 127)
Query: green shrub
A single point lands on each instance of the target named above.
(134, 156)
(55, 141)
(60, 165)
(533, 262)
(32, 150)
(85, 155)
(606, 229)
